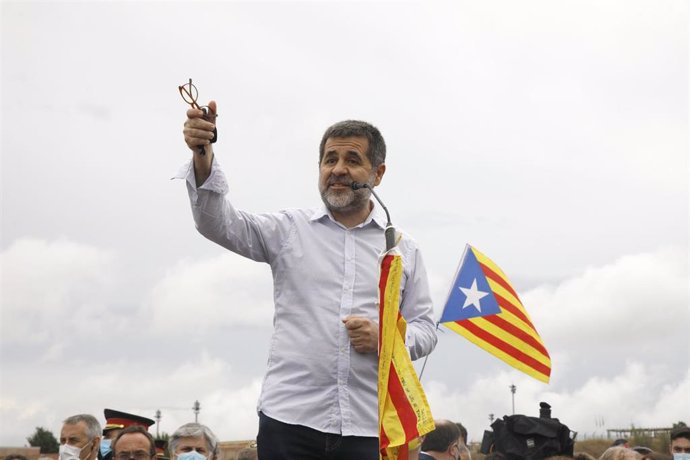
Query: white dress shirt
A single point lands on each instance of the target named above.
(322, 273)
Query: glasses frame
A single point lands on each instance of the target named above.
(190, 94)
(136, 455)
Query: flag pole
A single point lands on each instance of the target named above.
(421, 373)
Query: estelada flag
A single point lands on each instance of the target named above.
(404, 412)
(484, 308)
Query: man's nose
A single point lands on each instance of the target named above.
(340, 168)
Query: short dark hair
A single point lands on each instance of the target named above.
(463, 431)
(439, 440)
(680, 432)
(16, 457)
(135, 429)
(355, 128)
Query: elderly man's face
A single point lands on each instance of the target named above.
(75, 435)
(189, 444)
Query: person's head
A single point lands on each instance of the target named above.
(444, 442)
(115, 422)
(620, 442)
(463, 432)
(350, 151)
(162, 449)
(134, 443)
(464, 451)
(680, 442)
(191, 441)
(249, 453)
(620, 453)
(376, 151)
(80, 438)
(656, 456)
(15, 457)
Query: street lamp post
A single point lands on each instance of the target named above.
(512, 391)
(196, 408)
(158, 423)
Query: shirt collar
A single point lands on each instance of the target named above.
(376, 215)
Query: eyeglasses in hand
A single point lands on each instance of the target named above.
(190, 95)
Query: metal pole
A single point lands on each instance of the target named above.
(158, 423)
(512, 390)
(196, 408)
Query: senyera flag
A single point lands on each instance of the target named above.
(484, 308)
(404, 413)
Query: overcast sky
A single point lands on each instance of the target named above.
(551, 135)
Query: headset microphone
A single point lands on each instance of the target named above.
(390, 231)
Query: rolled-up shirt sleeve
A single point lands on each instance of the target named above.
(256, 236)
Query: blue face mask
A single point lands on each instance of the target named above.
(681, 456)
(105, 446)
(193, 455)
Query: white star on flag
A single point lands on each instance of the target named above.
(473, 295)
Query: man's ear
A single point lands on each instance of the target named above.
(380, 171)
(96, 446)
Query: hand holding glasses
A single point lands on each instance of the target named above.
(190, 94)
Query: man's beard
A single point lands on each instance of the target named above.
(346, 200)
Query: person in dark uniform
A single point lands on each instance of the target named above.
(116, 421)
(162, 449)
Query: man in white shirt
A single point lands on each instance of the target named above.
(319, 396)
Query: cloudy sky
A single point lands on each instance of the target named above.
(552, 135)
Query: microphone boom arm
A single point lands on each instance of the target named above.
(389, 232)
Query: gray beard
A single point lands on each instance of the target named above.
(345, 201)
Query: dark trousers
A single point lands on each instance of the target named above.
(282, 441)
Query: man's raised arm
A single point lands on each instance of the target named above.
(198, 132)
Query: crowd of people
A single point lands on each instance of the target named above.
(126, 437)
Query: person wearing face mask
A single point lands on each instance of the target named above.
(443, 443)
(115, 422)
(680, 443)
(80, 438)
(193, 441)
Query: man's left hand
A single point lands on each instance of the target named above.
(363, 332)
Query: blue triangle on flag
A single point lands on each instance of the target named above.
(470, 296)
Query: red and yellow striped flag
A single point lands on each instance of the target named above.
(404, 412)
(484, 308)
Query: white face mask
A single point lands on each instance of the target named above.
(68, 452)
(193, 455)
(681, 456)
